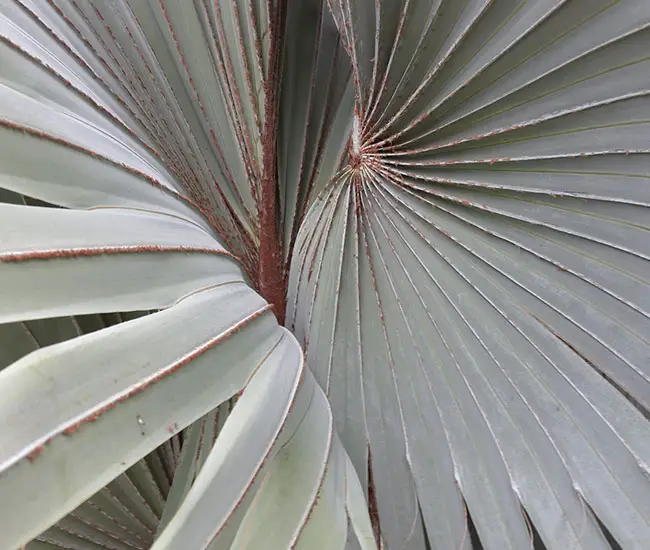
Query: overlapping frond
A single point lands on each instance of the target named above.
(472, 290)
(130, 151)
(462, 199)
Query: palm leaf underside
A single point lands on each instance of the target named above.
(462, 199)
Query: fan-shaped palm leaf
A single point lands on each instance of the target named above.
(453, 194)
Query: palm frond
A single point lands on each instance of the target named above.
(472, 291)
(454, 193)
(146, 182)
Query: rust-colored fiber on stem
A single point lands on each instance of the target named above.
(270, 274)
(373, 506)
